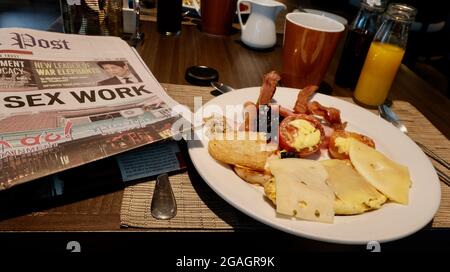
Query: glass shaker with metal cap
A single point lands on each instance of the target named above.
(360, 35)
(385, 55)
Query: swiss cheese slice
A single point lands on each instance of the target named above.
(387, 176)
(301, 189)
(356, 195)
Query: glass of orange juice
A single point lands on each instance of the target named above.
(384, 56)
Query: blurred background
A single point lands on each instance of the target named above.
(427, 53)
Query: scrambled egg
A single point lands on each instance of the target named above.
(343, 144)
(270, 190)
(307, 135)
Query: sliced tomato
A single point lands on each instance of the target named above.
(333, 150)
(288, 133)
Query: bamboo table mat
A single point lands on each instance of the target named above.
(199, 208)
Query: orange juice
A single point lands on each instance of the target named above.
(378, 73)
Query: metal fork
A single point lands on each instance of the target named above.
(386, 113)
(434, 155)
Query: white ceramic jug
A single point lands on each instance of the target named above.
(259, 30)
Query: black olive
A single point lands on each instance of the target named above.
(286, 154)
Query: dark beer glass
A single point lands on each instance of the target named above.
(168, 17)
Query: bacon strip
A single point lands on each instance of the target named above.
(267, 90)
(301, 105)
(328, 132)
(330, 114)
(286, 112)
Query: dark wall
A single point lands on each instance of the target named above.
(36, 14)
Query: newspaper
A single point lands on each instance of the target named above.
(66, 100)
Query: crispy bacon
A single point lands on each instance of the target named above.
(267, 90)
(330, 114)
(328, 132)
(301, 105)
(285, 112)
(340, 126)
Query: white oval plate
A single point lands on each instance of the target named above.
(393, 221)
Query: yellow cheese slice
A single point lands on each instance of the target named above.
(387, 176)
(355, 194)
(301, 189)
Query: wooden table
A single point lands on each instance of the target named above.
(168, 57)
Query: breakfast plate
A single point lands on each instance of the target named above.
(392, 221)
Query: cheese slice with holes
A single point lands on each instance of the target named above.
(301, 189)
(355, 194)
(387, 176)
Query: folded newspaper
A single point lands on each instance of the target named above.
(67, 100)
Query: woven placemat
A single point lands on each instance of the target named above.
(201, 208)
(420, 129)
(198, 207)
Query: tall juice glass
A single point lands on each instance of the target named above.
(378, 73)
(384, 57)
